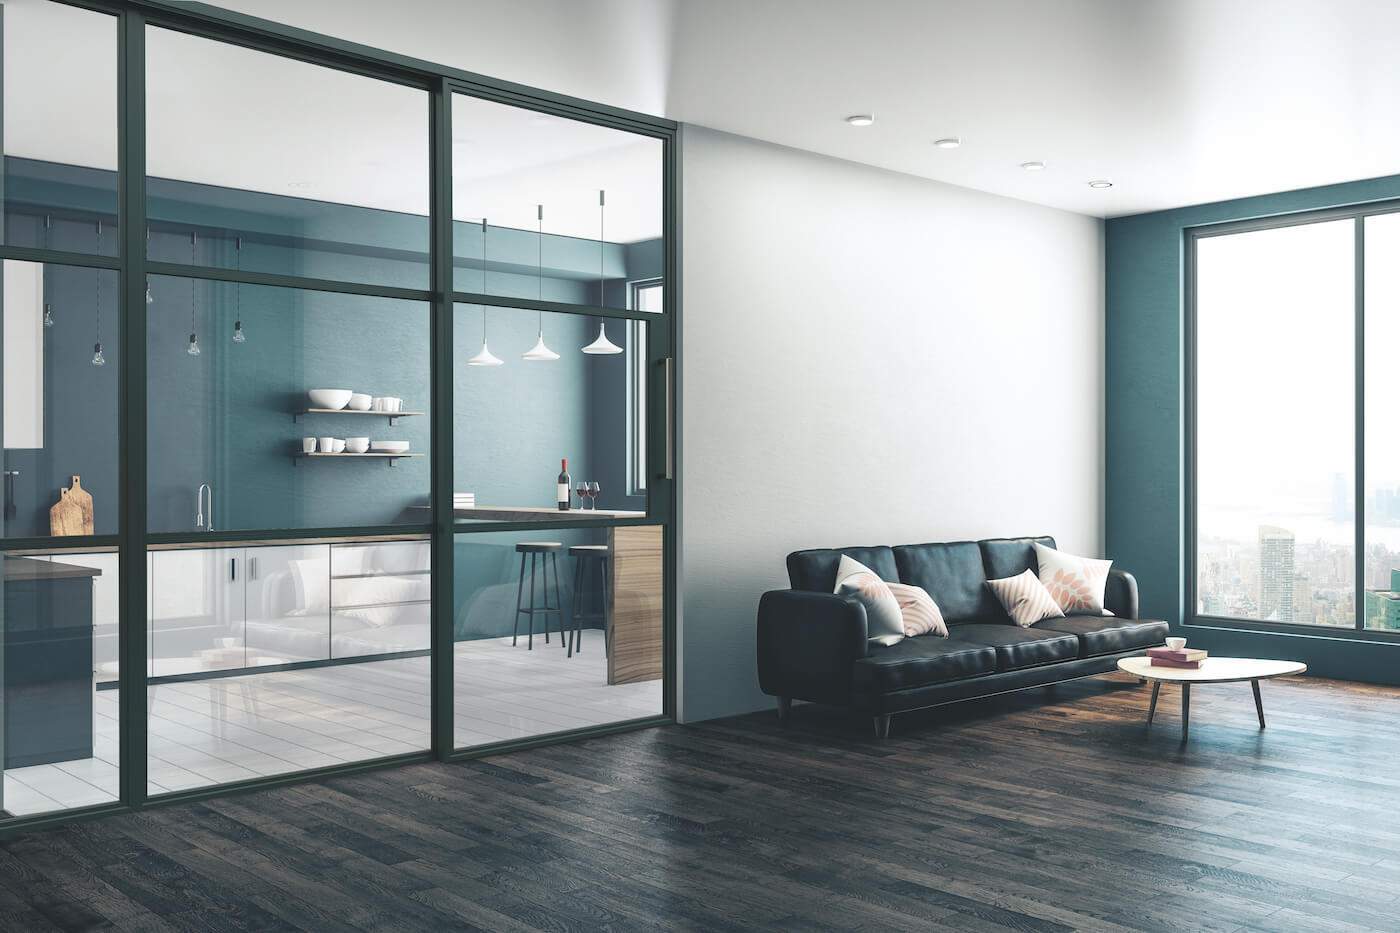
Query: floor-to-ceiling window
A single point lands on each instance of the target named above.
(265, 511)
(1294, 479)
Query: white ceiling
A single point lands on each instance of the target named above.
(1176, 101)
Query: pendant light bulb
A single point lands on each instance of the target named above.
(150, 299)
(485, 357)
(539, 351)
(238, 335)
(601, 346)
(48, 315)
(97, 358)
(193, 349)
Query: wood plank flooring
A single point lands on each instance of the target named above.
(1043, 811)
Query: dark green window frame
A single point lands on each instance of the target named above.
(133, 539)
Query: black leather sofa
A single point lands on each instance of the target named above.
(813, 645)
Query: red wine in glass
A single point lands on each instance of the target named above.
(582, 491)
(593, 491)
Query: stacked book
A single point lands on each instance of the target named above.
(463, 500)
(1187, 658)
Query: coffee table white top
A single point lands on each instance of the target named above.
(1212, 670)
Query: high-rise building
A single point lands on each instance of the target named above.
(1275, 573)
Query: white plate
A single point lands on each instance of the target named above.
(389, 447)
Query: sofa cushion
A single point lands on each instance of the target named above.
(1018, 647)
(1077, 583)
(1106, 634)
(920, 613)
(815, 569)
(918, 662)
(1025, 598)
(1007, 557)
(952, 574)
(883, 616)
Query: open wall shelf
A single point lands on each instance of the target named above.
(393, 416)
(392, 458)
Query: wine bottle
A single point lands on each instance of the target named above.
(564, 485)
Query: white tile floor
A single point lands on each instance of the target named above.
(230, 729)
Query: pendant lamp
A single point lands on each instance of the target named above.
(48, 244)
(602, 345)
(485, 357)
(193, 348)
(539, 351)
(97, 357)
(238, 335)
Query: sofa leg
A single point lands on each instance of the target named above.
(882, 726)
(784, 710)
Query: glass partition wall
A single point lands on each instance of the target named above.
(336, 409)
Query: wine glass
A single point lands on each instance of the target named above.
(581, 489)
(593, 494)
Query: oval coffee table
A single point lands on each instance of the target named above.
(1211, 671)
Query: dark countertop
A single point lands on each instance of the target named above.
(26, 568)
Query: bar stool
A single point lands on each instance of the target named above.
(544, 552)
(598, 556)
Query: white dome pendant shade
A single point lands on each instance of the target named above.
(602, 345)
(485, 357)
(539, 351)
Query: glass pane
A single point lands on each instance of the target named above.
(60, 725)
(515, 674)
(514, 423)
(233, 418)
(317, 172)
(380, 598)
(1382, 502)
(1275, 426)
(509, 164)
(60, 174)
(250, 677)
(60, 410)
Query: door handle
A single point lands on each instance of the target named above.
(668, 365)
(233, 568)
(252, 568)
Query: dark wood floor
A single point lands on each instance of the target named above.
(1038, 812)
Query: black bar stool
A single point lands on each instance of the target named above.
(589, 557)
(545, 552)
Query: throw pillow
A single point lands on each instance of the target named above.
(1025, 598)
(1076, 583)
(921, 614)
(858, 581)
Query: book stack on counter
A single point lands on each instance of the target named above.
(463, 500)
(1185, 658)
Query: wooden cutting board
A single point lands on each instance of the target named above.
(72, 514)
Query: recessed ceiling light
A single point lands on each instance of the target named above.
(860, 119)
(1032, 166)
(952, 142)
(1101, 183)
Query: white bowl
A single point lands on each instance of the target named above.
(359, 402)
(1176, 643)
(334, 399)
(357, 445)
(389, 447)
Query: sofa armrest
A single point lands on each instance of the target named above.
(807, 643)
(1120, 595)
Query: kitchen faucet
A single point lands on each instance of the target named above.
(199, 508)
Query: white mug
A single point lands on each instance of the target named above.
(308, 445)
(376, 404)
(327, 445)
(339, 446)
(393, 404)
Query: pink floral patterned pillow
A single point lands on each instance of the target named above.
(921, 614)
(1025, 599)
(1076, 583)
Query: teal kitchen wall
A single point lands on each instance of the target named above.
(1144, 430)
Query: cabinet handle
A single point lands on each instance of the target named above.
(252, 568)
(233, 568)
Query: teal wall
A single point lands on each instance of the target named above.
(1144, 424)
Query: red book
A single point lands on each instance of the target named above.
(1169, 662)
(1177, 654)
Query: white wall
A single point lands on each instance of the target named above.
(869, 358)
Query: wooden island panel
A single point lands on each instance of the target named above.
(637, 604)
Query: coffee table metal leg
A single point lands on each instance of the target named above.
(1185, 709)
(1258, 703)
(1152, 707)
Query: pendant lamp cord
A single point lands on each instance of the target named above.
(238, 288)
(483, 280)
(539, 240)
(193, 237)
(99, 284)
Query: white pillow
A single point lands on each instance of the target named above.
(1075, 583)
(1025, 598)
(921, 614)
(884, 620)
